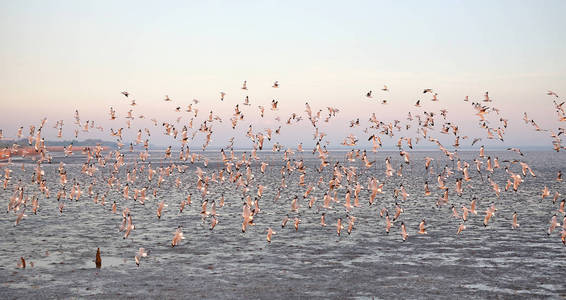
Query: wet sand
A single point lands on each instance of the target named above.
(484, 262)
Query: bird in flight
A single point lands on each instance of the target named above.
(551, 93)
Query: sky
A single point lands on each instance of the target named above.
(58, 56)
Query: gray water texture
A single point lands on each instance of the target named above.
(483, 262)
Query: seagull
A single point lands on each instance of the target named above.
(550, 93)
(517, 150)
(461, 228)
(404, 232)
(141, 253)
(422, 229)
(486, 97)
(515, 225)
(177, 237)
(270, 232)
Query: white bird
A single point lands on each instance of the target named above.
(141, 253)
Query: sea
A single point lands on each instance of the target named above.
(313, 262)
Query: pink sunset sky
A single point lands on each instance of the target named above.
(59, 56)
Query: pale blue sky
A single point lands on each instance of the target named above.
(57, 56)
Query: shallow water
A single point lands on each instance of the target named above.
(483, 262)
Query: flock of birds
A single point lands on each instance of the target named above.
(123, 177)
